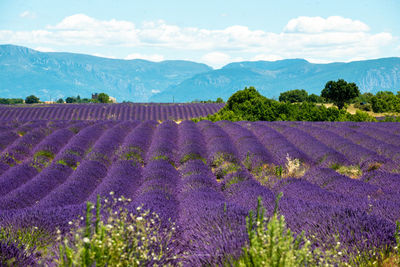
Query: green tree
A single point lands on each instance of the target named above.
(13, 101)
(340, 92)
(32, 99)
(385, 101)
(219, 100)
(292, 96)
(364, 98)
(315, 98)
(60, 101)
(103, 98)
(248, 104)
(70, 99)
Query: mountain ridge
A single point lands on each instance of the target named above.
(51, 75)
(273, 77)
(24, 71)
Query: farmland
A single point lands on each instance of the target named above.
(125, 111)
(337, 179)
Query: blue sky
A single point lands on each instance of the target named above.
(214, 32)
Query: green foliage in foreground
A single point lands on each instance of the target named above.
(271, 243)
(249, 105)
(120, 239)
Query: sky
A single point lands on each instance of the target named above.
(214, 32)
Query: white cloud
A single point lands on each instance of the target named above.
(28, 14)
(314, 38)
(217, 59)
(153, 57)
(154, 91)
(81, 29)
(318, 25)
(44, 49)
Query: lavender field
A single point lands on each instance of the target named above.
(337, 179)
(124, 111)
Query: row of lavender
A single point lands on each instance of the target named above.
(108, 111)
(205, 177)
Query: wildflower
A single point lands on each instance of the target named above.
(86, 240)
(111, 193)
(139, 218)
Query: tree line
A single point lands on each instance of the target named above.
(32, 99)
(342, 93)
(295, 105)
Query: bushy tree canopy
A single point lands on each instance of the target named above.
(103, 98)
(219, 100)
(292, 96)
(71, 99)
(340, 92)
(385, 101)
(32, 99)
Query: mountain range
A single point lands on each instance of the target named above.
(51, 75)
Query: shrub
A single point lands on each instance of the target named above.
(271, 243)
(119, 238)
(293, 96)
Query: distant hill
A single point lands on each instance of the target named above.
(24, 71)
(272, 78)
